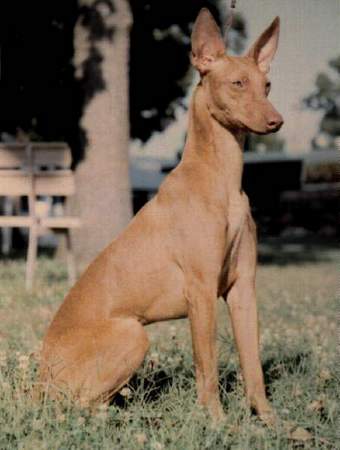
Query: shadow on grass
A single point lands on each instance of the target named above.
(275, 368)
(286, 251)
(21, 254)
(157, 383)
(153, 385)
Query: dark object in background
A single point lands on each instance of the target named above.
(38, 89)
(264, 181)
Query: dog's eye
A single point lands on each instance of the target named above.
(237, 83)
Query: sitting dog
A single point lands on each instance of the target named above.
(194, 241)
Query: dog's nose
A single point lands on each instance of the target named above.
(275, 123)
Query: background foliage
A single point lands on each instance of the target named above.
(39, 91)
(326, 98)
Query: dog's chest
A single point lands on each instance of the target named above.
(238, 214)
(238, 211)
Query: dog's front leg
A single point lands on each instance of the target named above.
(243, 312)
(202, 304)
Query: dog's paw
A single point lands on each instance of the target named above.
(218, 417)
(264, 411)
(268, 417)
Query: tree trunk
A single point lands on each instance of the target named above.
(103, 196)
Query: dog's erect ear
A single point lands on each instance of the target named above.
(264, 49)
(206, 42)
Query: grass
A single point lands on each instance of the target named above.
(158, 410)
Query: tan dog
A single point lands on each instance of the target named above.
(193, 242)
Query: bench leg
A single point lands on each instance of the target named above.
(71, 267)
(6, 242)
(31, 256)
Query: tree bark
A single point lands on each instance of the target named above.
(103, 195)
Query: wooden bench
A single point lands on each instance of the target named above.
(38, 169)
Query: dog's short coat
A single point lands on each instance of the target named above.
(194, 241)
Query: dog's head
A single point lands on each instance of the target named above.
(236, 87)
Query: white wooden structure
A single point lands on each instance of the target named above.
(32, 170)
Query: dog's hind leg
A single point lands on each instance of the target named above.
(92, 363)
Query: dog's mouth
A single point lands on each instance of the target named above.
(264, 131)
(239, 125)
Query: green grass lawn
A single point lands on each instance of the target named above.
(298, 306)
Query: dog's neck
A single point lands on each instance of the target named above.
(214, 144)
